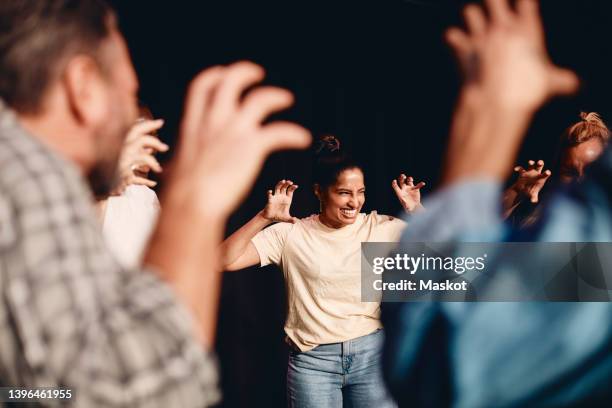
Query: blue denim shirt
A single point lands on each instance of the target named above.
(504, 354)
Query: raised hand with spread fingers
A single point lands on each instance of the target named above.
(508, 76)
(408, 194)
(531, 180)
(528, 185)
(279, 202)
(137, 156)
(504, 55)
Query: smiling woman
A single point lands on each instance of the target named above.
(328, 326)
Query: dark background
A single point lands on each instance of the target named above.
(374, 73)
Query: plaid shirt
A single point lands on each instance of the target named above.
(70, 316)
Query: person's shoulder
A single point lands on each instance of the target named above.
(37, 177)
(385, 227)
(141, 194)
(383, 220)
(282, 228)
(308, 221)
(32, 176)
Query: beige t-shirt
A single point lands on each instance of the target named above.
(322, 268)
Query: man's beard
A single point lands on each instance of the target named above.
(103, 178)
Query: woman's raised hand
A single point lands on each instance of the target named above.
(137, 155)
(502, 53)
(279, 202)
(407, 193)
(531, 180)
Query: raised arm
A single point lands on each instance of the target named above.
(238, 250)
(528, 185)
(137, 154)
(223, 142)
(508, 76)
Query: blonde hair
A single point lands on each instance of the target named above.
(589, 127)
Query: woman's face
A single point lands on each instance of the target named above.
(342, 201)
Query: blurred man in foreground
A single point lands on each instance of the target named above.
(70, 315)
(502, 354)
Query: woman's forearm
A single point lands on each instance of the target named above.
(236, 244)
(510, 201)
(484, 139)
(184, 250)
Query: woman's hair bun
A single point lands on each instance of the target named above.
(329, 161)
(327, 146)
(590, 126)
(592, 117)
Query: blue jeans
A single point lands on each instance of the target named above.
(339, 374)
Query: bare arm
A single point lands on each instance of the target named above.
(472, 153)
(510, 201)
(238, 250)
(184, 250)
(508, 76)
(223, 142)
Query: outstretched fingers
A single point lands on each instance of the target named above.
(285, 187)
(539, 166)
(144, 127)
(153, 144)
(197, 103)
(528, 11)
(284, 135)
(395, 186)
(143, 181)
(475, 20)
(147, 160)
(262, 102)
(279, 186)
(238, 78)
(463, 42)
(409, 182)
(419, 186)
(291, 189)
(500, 11)
(460, 43)
(399, 183)
(405, 182)
(563, 81)
(546, 174)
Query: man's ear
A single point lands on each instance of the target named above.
(86, 91)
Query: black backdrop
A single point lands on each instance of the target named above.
(376, 74)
